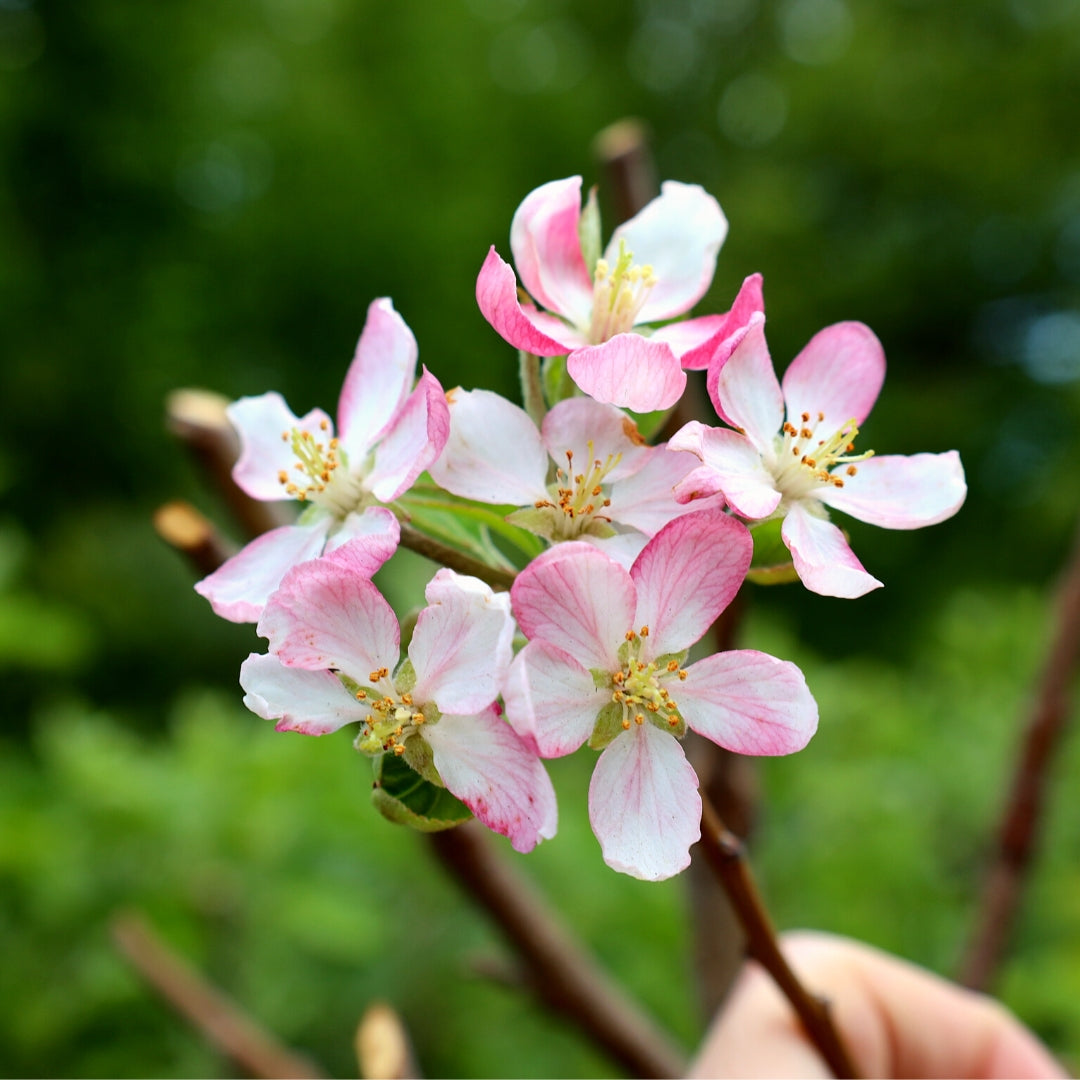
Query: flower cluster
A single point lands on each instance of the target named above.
(624, 552)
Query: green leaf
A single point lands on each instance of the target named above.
(558, 386)
(589, 231)
(406, 798)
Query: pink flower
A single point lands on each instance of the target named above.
(598, 310)
(609, 487)
(605, 660)
(793, 452)
(334, 650)
(388, 434)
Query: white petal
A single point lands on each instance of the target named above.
(370, 536)
(823, 559)
(745, 390)
(646, 500)
(592, 431)
(310, 702)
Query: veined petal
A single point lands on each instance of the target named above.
(726, 329)
(744, 389)
(497, 296)
(578, 598)
(378, 380)
(576, 423)
(838, 373)
(414, 439)
(364, 541)
(324, 615)
(736, 469)
(239, 588)
(551, 700)
(630, 371)
(679, 235)
(644, 804)
(823, 560)
(688, 335)
(547, 249)
(748, 702)
(898, 492)
(647, 500)
(496, 776)
(494, 453)
(264, 454)
(688, 573)
(310, 702)
(462, 643)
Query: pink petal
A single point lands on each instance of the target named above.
(898, 492)
(310, 702)
(577, 598)
(547, 250)
(823, 560)
(496, 776)
(462, 644)
(494, 453)
(497, 295)
(551, 700)
(688, 335)
(736, 469)
(646, 500)
(412, 441)
(576, 423)
(264, 454)
(679, 235)
(644, 804)
(378, 379)
(726, 330)
(748, 702)
(839, 373)
(324, 615)
(744, 389)
(688, 573)
(239, 588)
(365, 540)
(630, 371)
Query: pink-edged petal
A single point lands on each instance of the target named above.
(497, 296)
(647, 500)
(239, 588)
(823, 560)
(413, 441)
(264, 454)
(310, 702)
(744, 390)
(623, 547)
(898, 492)
(734, 466)
(494, 453)
(838, 373)
(644, 804)
(592, 431)
(688, 573)
(630, 371)
(726, 329)
(578, 598)
(378, 379)
(686, 337)
(324, 615)
(679, 235)
(462, 644)
(496, 776)
(551, 700)
(748, 702)
(365, 540)
(546, 246)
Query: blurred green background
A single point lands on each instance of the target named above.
(210, 193)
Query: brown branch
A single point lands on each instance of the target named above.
(184, 528)
(561, 972)
(383, 1048)
(219, 1019)
(726, 855)
(1018, 831)
(439, 552)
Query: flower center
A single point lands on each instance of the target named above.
(578, 499)
(392, 719)
(619, 293)
(319, 475)
(806, 455)
(638, 687)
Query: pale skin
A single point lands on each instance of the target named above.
(897, 1020)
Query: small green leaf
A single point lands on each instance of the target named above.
(406, 798)
(608, 725)
(558, 386)
(589, 230)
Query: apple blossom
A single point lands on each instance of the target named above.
(388, 433)
(792, 453)
(598, 309)
(604, 663)
(333, 660)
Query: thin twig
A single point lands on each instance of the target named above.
(726, 855)
(1018, 831)
(439, 552)
(184, 528)
(219, 1019)
(561, 972)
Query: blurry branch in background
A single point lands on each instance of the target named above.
(193, 535)
(383, 1049)
(219, 1019)
(1017, 834)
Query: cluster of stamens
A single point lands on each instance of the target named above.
(316, 462)
(579, 496)
(619, 293)
(392, 720)
(805, 460)
(637, 687)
